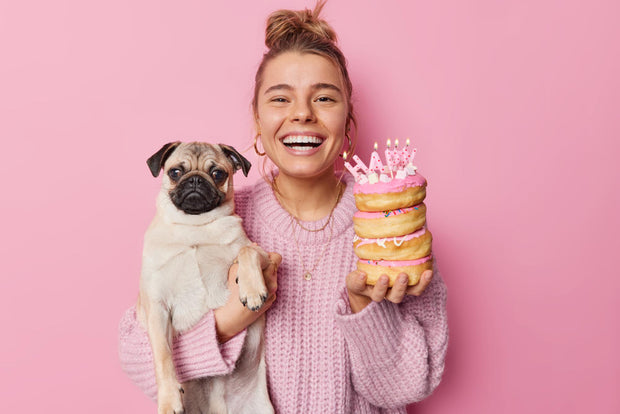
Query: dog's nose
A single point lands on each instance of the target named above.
(194, 181)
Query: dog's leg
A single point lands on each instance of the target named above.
(216, 397)
(252, 289)
(263, 403)
(247, 385)
(159, 327)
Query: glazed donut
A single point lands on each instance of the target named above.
(410, 247)
(389, 223)
(398, 193)
(413, 268)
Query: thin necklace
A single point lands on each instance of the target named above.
(307, 273)
(331, 213)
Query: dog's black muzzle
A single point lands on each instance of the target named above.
(196, 195)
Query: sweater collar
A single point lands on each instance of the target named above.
(277, 219)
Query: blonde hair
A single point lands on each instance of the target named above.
(304, 31)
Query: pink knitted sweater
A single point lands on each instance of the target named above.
(320, 357)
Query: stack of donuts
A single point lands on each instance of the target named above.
(390, 227)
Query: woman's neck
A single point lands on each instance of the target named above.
(308, 199)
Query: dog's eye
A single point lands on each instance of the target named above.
(218, 176)
(175, 173)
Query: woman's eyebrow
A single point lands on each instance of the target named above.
(331, 86)
(316, 86)
(279, 87)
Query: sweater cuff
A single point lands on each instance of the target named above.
(374, 334)
(197, 352)
(375, 330)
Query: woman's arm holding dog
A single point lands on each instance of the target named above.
(205, 350)
(197, 352)
(233, 317)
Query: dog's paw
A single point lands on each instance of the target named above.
(252, 300)
(169, 400)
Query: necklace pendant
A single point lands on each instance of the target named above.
(307, 275)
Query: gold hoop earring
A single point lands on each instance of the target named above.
(260, 154)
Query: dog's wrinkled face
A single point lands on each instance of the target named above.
(198, 176)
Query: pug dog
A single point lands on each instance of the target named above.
(189, 247)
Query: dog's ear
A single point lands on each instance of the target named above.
(157, 160)
(238, 160)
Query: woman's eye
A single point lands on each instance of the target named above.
(218, 176)
(278, 100)
(324, 99)
(175, 173)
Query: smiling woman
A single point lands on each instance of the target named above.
(333, 344)
(301, 114)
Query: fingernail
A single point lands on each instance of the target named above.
(403, 280)
(429, 276)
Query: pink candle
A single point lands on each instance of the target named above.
(375, 161)
(360, 164)
(388, 155)
(407, 156)
(393, 157)
(398, 154)
(352, 170)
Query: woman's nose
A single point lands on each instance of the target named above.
(302, 112)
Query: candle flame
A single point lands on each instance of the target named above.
(376, 146)
(396, 143)
(344, 155)
(407, 141)
(389, 143)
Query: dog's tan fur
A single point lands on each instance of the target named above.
(185, 267)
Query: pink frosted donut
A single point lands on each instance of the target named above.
(398, 193)
(413, 268)
(409, 247)
(389, 223)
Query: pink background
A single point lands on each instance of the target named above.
(513, 107)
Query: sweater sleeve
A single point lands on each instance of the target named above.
(397, 351)
(196, 352)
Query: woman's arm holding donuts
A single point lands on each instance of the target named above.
(396, 350)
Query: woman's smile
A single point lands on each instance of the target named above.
(302, 143)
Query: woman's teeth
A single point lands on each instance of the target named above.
(302, 142)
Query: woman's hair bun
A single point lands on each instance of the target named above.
(286, 27)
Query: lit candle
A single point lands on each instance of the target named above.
(407, 158)
(352, 170)
(399, 154)
(375, 161)
(389, 157)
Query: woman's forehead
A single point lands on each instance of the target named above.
(294, 70)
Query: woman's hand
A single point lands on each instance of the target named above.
(233, 317)
(361, 294)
